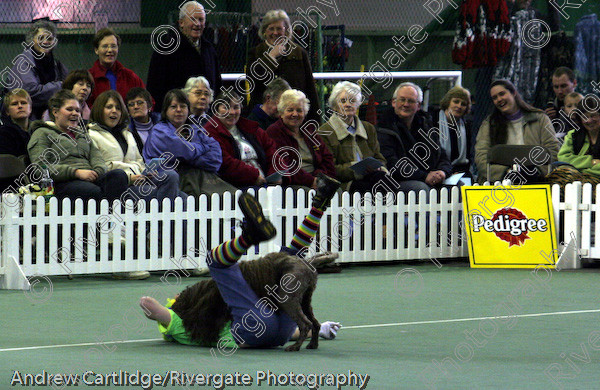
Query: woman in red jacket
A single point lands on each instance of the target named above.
(301, 150)
(109, 73)
(247, 149)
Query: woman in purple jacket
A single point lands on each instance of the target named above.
(175, 137)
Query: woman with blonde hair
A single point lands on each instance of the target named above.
(284, 58)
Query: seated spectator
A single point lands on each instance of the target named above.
(581, 150)
(564, 82)
(75, 164)
(142, 117)
(81, 83)
(247, 149)
(40, 72)
(512, 122)
(412, 151)
(198, 155)
(200, 96)
(266, 113)
(311, 156)
(564, 122)
(108, 129)
(455, 131)
(16, 111)
(109, 73)
(351, 140)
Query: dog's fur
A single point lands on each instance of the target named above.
(204, 313)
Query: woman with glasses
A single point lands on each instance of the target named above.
(580, 153)
(142, 117)
(109, 73)
(284, 58)
(200, 96)
(40, 72)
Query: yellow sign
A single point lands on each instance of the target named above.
(510, 227)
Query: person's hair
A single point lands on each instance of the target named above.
(58, 100)
(587, 105)
(139, 91)
(10, 95)
(456, 92)
(293, 96)
(183, 9)
(226, 98)
(97, 112)
(77, 75)
(498, 121)
(40, 25)
(177, 95)
(193, 82)
(409, 84)
(272, 16)
(275, 88)
(103, 33)
(564, 70)
(574, 95)
(350, 88)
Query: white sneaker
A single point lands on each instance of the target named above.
(133, 275)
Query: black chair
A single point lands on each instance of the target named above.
(523, 155)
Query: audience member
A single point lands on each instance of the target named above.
(563, 83)
(108, 129)
(283, 58)
(581, 150)
(266, 113)
(14, 134)
(81, 83)
(455, 131)
(351, 140)
(200, 96)
(247, 149)
(564, 122)
(512, 122)
(412, 150)
(142, 117)
(194, 55)
(40, 72)
(109, 73)
(74, 163)
(310, 156)
(198, 155)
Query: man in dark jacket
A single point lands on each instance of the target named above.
(182, 53)
(410, 145)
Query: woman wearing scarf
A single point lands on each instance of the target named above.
(455, 131)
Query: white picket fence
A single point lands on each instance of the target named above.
(62, 239)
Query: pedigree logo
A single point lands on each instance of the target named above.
(510, 225)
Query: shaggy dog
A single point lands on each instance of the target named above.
(204, 313)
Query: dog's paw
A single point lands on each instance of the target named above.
(293, 348)
(312, 346)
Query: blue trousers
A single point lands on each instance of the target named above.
(254, 322)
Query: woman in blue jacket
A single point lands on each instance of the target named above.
(175, 137)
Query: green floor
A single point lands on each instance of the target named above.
(425, 334)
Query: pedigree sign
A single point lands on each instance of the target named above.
(510, 227)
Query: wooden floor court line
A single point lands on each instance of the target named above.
(556, 313)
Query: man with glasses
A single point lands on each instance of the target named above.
(139, 105)
(410, 145)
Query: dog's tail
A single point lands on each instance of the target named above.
(322, 259)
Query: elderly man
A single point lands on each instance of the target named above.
(266, 113)
(410, 145)
(181, 54)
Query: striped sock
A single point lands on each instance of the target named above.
(307, 231)
(229, 252)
